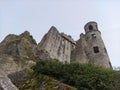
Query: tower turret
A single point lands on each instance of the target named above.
(96, 51)
(90, 26)
(90, 47)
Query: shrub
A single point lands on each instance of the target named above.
(81, 76)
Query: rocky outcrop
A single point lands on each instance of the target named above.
(5, 82)
(25, 81)
(43, 82)
(19, 76)
(7, 64)
(17, 52)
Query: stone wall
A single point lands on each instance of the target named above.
(90, 47)
(58, 45)
(79, 53)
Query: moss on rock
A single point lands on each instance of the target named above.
(43, 82)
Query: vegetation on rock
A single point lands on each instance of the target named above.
(43, 82)
(17, 52)
(81, 76)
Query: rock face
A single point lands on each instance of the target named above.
(43, 82)
(90, 47)
(17, 52)
(56, 45)
(19, 76)
(5, 82)
(7, 64)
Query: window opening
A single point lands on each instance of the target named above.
(90, 27)
(93, 35)
(96, 49)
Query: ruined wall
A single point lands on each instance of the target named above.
(90, 47)
(57, 45)
(98, 54)
(79, 53)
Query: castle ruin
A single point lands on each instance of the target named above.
(89, 48)
(57, 45)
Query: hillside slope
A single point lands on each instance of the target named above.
(81, 76)
(25, 80)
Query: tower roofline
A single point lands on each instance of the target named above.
(90, 26)
(90, 23)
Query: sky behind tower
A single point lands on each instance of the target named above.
(68, 16)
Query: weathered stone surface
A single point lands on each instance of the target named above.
(23, 81)
(5, 82)
(43, 55)
(19, 76)
(79, 54)
(17, 52)
(57, 45)
(90, 47)
(7, 64)
(43, 82)
(20, 51)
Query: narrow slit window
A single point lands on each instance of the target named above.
(93, 35)
(96, 49)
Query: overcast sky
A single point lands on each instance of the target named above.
(68, 16)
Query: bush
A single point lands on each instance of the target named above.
(81, 76)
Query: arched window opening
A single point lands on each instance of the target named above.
(90, 27)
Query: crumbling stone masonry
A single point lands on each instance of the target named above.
(89, 48)
(57, 45)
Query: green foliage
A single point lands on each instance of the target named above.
(81, 76)
(43, 82)
(29, 71)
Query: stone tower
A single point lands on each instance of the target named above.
(90, 47)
